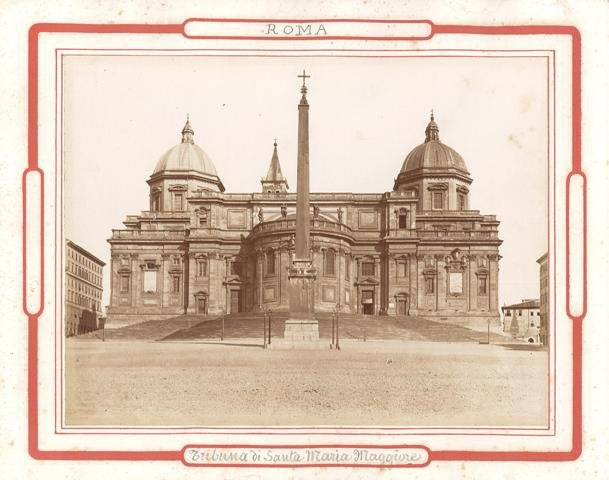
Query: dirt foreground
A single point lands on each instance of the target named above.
(379, 383)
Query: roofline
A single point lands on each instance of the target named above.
(520, 306)
(86, 253)
(186, 175)
(426, 172)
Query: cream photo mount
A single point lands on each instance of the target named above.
(49, 439)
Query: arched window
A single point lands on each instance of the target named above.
(270, 262)
(329, 262)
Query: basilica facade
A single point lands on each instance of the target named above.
(419, 249)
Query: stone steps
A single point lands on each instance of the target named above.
(351, 326)
(151, 329)
(244, 325)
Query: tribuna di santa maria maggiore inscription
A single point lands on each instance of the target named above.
(419, 249)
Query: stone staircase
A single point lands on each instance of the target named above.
(351, 326)
(150, 330)
(370, 327)
(240, 325)
(250, 325)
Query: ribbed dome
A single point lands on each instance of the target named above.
(186, 156)
(433, 154)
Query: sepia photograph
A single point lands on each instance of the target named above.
(319, 240)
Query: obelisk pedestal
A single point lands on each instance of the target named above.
(301, 326)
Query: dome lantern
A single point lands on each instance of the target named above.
(187, 132)
(432, 132)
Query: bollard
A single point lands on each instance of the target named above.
(488, 332)
(270, 327)
(337, 335)
(264, 328)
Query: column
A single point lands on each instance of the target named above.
(493, 268)
(165, 279)
(136, 280)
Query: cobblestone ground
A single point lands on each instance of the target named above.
(366, 383)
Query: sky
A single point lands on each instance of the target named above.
(122, 113)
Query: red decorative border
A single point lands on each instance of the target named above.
(35, 30)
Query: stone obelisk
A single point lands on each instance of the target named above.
(301, 325)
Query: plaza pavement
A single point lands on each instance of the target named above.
(204, 382)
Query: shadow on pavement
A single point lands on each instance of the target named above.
(524, 346)
(219, 342)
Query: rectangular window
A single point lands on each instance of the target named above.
(508, 313)
(482, 286)
(150, 281)
(462, 202)
(368, 268)
(175, 284)
(177, 201)
(176, 261)
(235, 268)
(347, 267)
(429, 285)
(203, 221)
(402, 220)
(156, 202)
(202, 268)
(403, 269)
(437, 201)
(329, 262)
(270, 262)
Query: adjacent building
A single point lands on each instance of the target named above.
(419, 249)
(543, 299)
(83, 290)
(522, 320)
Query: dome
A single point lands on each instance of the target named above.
(186, 157)
(433, 153)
